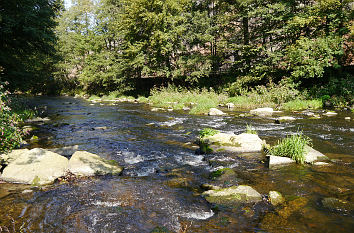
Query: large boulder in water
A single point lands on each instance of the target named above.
(234, 194)
(36, 166)
(241, 143)
(83, 163)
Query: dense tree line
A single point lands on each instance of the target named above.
(107, 45)
(112, 44)
(27, 42)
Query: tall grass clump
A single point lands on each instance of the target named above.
(200, 100)
(208, 132)
(293, 146)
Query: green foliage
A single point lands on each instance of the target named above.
(10, 133)
(301, 104)
(292, 146)
(27, 42)
(250, 129)
(208, 132)
(308, 58)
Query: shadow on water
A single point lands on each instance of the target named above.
(161, 182)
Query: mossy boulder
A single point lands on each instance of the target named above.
(83, 163)
(231, 143)
(232, 195)
(276, 198)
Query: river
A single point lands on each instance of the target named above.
(160, 188)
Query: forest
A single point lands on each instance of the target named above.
(125, 47)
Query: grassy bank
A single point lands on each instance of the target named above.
(200, 101)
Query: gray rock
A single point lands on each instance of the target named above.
(234, 194)
(13, 155)
(234, 143)
(262, 111)
(276, 198)
(314, 156)
(37, 167)
(83, 163)
(230, 105)
(186, 109)
(274, 161)
(215, 112)
(66, 151)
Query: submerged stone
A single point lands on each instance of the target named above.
(337, 204)
(276, 198)
(234, 194)
(37, 167)
(83, 163)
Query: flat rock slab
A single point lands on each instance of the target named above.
(241, 143)
(83, 163)
(37, 167)
(234, 194)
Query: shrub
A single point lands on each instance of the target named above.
(10, 133)
(292, 146)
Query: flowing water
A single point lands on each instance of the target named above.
(160, 188)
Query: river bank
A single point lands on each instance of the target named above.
(161, 183)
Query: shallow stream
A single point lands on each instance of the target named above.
(161, 183)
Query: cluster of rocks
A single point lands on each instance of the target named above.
(245, 142)
(40, 167)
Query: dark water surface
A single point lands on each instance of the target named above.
(160, 185)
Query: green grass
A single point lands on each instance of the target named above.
(299, 104)
(200, 101)
(250, 130)
(208, 132)
(292, 146)
(94, 97)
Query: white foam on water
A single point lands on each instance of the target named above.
(198, 215)
(107, 203)
(131, 157)
(145, 171)
(173, 122)
(193, 160)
